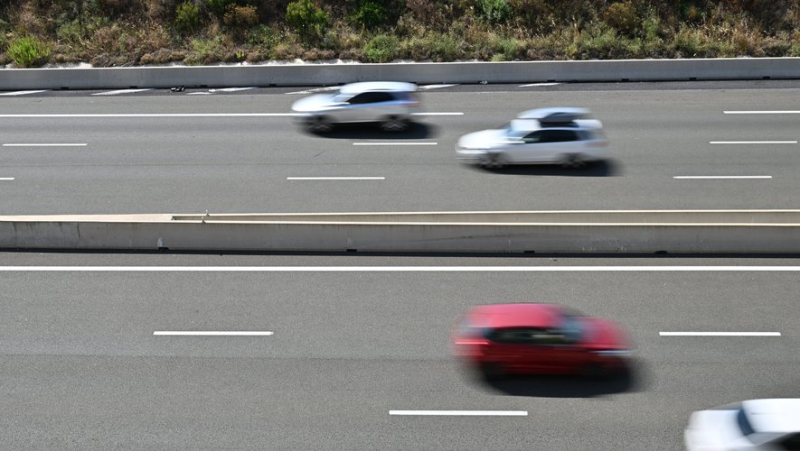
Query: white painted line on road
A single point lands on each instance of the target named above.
(538, 84)
(232, 89)
(213, 333)
(469, 413)
(21, 93)
(753, 142)
(763, 112)
(395, 144)
(719, 334)
(427, 87)
(7, 179)
(438, 114)
(122, 91)
(335, 178)
(313, 90)
(145, 115)
(399, 268)
(720, 177)
(202, 93)
(45, 145)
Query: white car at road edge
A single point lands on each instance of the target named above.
(759, 424)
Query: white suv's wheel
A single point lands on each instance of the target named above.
(320, 124)
(394, 124)
(493, 161)
(573, 160)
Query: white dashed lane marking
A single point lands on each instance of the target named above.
(212, 333)
(395, 144)
(719, 334)
(461, 413)
(45, 145)
(753, 142)
(335, 178)
(721, 177)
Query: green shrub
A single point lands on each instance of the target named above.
(240, 16)
(262, 36)
(623, 17)
(371, 14)
(494, 11)
(444, 48)
(310, 21)
(27, 51)
(509, 48)
(187, 17)
(381, 49)
(205, 51)
(218, 7)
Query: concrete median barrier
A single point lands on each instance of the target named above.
(607, 232)
(458, 72)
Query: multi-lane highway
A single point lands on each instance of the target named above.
(149, 152)
(88, 361)
(89, 355)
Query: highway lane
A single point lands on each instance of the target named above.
(83, 370)
(241, 164)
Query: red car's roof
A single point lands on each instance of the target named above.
(515, 315)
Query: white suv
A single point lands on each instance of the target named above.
(543, 136)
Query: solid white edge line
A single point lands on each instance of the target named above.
(533, 85)
(144, 115)
(396, 144)
(762, 112)
(160, 115)
(7, 179)
(399, 268)
(719, 334)
(122, 91)
(752, 142)
(437, 114)
(428, 87)
(213, 333)
(232, 89)
(335, 178)
(45, 145)
(721, 177)
(21, 93)
(473, 413)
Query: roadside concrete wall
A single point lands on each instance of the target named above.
(331, 74)
(429, 237)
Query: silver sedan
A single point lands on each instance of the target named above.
(391, 104)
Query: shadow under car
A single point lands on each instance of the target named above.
(630, 379)
(415, 130)
(603, 168)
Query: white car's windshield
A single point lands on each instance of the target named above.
(341, 98)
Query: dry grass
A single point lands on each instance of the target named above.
(134, 32)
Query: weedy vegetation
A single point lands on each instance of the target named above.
(34, 33)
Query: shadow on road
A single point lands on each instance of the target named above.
(416, 130)
(630, 380)
(605, 168)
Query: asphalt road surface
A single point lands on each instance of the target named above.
(111, 162)
(84, 366)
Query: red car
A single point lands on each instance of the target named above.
(538, 338)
